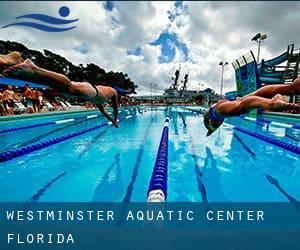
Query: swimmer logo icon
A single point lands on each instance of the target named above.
(39, 21)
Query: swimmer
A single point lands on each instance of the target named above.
(96, 94)
(268, 97)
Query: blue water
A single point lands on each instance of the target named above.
(110, 164)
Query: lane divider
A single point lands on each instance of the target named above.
(273, 123)
(11, 154)
(251, 119)
(58, 122)
(157, 191)
(65, 121)
(6, 130)
(287, 146)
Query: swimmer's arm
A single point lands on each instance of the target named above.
(115, 105)
(104, 112)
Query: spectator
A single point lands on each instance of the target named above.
(27, 95)
(41, 100)
(9, 98)
(35, 100)
(3, 110)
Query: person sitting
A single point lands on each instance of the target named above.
(268, 97)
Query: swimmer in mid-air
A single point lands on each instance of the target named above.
(268, 97)
(96, 94)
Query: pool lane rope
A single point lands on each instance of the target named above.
(157, 191)
(263, 121)
(287, 146)
(58, 122)
(11, 154)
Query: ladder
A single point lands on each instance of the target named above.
(292, 69)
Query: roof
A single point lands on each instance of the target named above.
(18, 83)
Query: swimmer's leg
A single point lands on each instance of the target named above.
(282, 89)
(247, 103)
(64, 82)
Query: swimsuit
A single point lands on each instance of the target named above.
(10, 103)
(214, 115)
(97, 93)
(117, 88)
(120, 91)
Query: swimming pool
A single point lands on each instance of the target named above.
(109, 164)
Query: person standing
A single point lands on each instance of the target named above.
(9, 98)
(27, 95)
(35, 100)
(41, 100)
(3, 110)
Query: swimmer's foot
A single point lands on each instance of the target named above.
(11, 59)
(279, 104)
(27, 66)
(296, 85)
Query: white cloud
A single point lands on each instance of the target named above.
(212, 31)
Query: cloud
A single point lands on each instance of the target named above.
(148, 40)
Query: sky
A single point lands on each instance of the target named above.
(148, 40)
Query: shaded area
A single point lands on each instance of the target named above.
(39, 193)
(109, 190)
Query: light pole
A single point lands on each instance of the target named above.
(155, 85)
(222, 64)
(151, 89)
(259, 38)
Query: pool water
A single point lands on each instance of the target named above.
(115, 165)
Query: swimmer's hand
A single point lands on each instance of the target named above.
(115, 123)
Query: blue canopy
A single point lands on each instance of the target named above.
(18, 83)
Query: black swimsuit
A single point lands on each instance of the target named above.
(97, 93)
